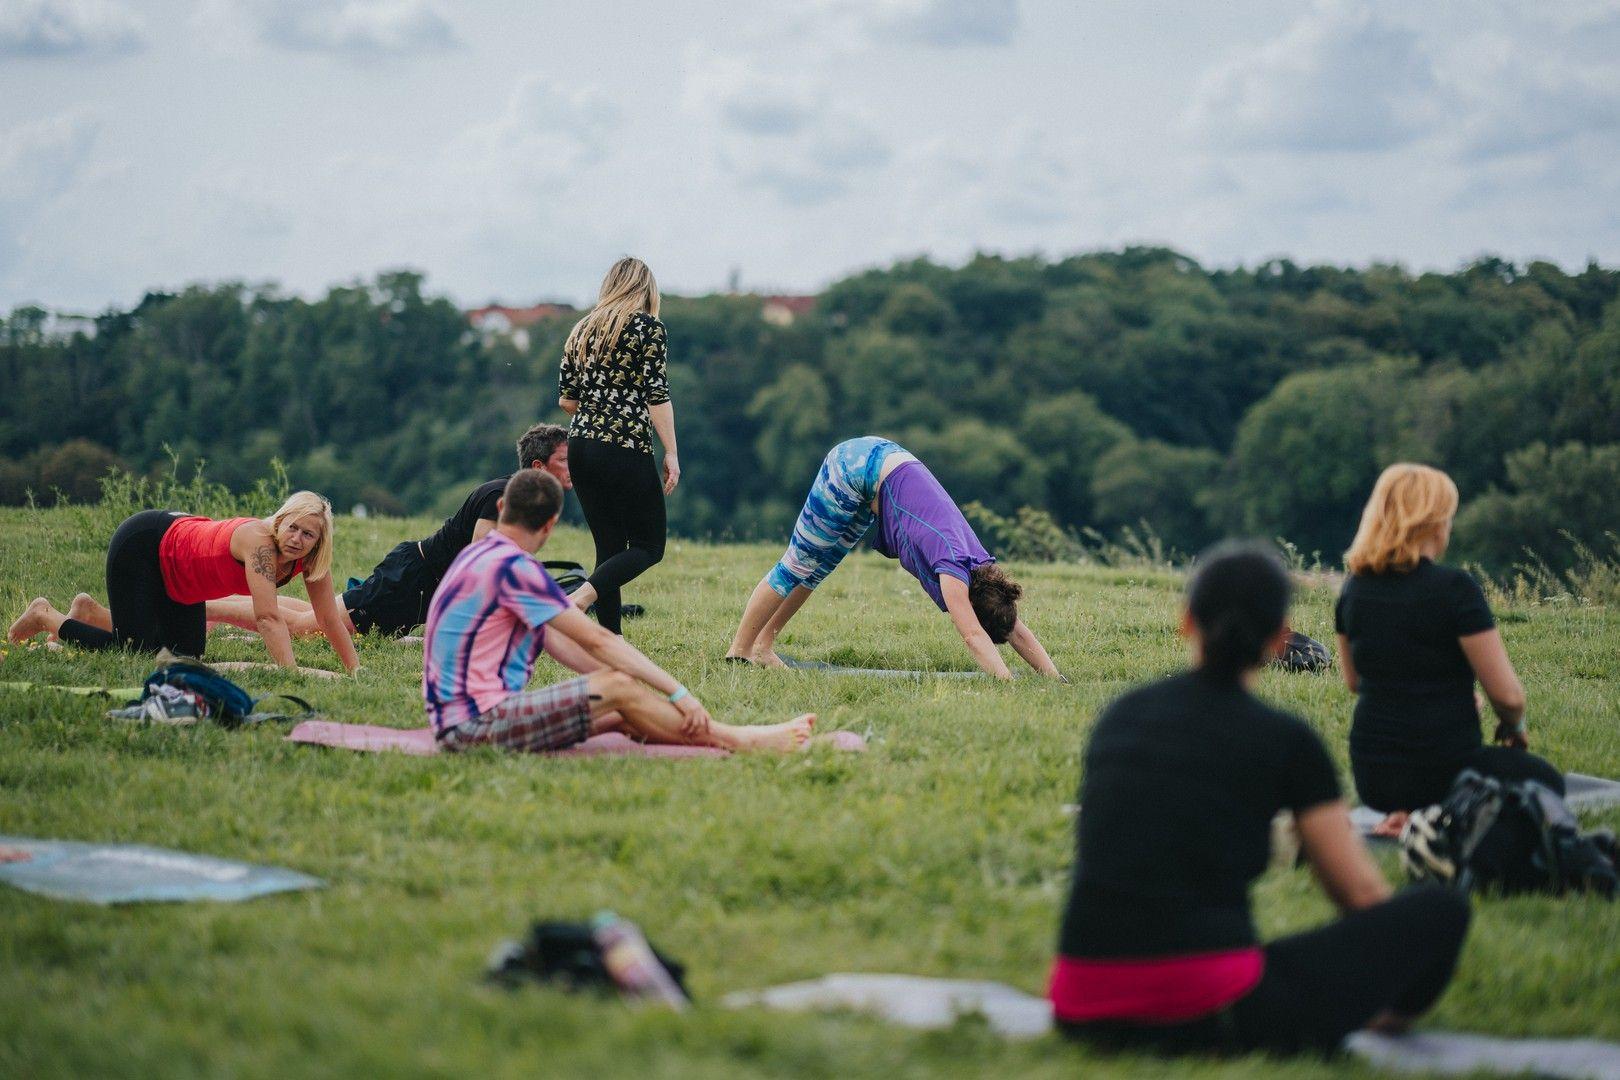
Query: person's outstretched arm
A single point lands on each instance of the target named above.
(331, 622)
(254, 546)
(1489, 659)
(663, 422)
(960, 609)
(1027, 645)
(1339, 858)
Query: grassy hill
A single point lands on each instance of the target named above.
(943, 851)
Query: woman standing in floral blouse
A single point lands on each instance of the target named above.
(614, 385)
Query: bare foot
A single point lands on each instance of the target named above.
(1392, 824)
(87, 609)
(36, 617)
(778, 738)
(766, 658)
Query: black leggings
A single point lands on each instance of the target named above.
(1387, 786)
(623, 502)
(144, 616)
(1322, 985)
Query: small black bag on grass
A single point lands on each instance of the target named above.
(185, 691)
(1507, 837)
(566, 955)
(1301, 653)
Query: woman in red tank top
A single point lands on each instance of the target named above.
(163, 566)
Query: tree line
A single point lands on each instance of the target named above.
(1097, 393)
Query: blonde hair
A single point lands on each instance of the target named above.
(628, 288)
(318, 563)
(1409, 505)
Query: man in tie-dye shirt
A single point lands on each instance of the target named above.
(497, 608)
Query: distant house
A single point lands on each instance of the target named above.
(785, 310)
(498, 320)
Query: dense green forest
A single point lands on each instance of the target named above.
(1107, 389)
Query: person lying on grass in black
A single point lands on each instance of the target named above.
(394, 599)
(1182, 779)
(1413, 637)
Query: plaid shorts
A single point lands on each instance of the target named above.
(550, 718)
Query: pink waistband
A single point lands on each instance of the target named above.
(1166, 990)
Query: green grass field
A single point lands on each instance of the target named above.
(942, 851)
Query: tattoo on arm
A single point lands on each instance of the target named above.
(264, 561)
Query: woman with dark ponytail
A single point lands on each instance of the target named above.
(1182, 779)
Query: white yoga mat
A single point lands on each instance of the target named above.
(918, 1002)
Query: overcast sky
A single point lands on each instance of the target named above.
(512, 149)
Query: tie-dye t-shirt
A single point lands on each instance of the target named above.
(919, 524)
(485, 628)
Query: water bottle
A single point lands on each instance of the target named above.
(632, 964)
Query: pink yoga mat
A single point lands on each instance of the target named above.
(419, 741)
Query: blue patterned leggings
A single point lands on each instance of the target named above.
(836, 514)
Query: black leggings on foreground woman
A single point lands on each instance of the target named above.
(622, 498)
(1182, 779)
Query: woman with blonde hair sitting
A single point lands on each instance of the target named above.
(1413, 637)
(163, 566)
(614, 385)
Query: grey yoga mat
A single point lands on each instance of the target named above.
(130, 873)
(918, 1002)
(887, 673)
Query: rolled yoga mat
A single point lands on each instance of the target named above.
(917, 1002)
(420, 742)
(130, 873)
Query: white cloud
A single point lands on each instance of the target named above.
(785, 133)
(39, 164)
(544, 139)
(365, 27)
(936, 23)
(40, 159)
(1522, 92)
(67, 27)
(1342, 77)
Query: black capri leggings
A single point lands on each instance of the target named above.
(1390, 786)
(144, 616)
(623, 502)
(1322, 985)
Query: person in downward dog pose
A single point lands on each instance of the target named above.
(394, 599)
(1413, 637)
(497, 608)
(163, 566)
(613, 382)
(1181, 780)
(872, 478)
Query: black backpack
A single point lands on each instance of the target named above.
(1509, 837)
(566, 955)
(1301, 653)
(184, 691)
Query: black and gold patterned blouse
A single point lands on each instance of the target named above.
(615, 390)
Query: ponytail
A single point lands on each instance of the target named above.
(1238, 598)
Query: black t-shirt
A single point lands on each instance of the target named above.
(1416, 701)
(1182, 778)
(441, 549)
